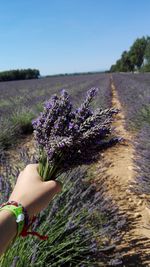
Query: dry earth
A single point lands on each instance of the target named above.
(135, 245)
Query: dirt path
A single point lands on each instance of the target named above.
(120, 175)
(14, 156)
(27, 144)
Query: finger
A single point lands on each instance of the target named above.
(53, 186)
(32, 167)
(20, 175)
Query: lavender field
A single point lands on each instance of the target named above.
(84, 225)
(79, 217)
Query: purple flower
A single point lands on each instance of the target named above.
(63, 135)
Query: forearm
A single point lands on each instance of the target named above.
(33, 194)
(8, 229)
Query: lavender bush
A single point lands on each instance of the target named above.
(142, 160)
(134, 93)
(66, 137)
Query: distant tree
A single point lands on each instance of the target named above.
(126, 63)
(147, 50)
(137, 52)
(22, 74)
(146, 63)
(116, 67)
(138, 57)
(113, 68)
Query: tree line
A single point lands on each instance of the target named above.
(136, 59)
(22, 74)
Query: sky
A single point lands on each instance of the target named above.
(66, 36)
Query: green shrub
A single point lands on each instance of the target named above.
(20, 123)
(5, 103)
(7, 136)
(38, 108)
(23, 121)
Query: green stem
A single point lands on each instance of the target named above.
(47, 171)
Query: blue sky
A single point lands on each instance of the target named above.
(69, 35)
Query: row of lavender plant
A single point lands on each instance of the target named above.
(31, 92)
(82, 224)
(142, 145)
(21, 101)
(134, 93)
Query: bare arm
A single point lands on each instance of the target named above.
(8, 229)
(33, 194)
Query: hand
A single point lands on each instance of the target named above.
(32, 192)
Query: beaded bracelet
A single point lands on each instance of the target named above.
(22, 219)
(20, 213)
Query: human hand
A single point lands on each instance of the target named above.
(32, 192)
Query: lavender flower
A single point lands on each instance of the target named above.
(63, 135)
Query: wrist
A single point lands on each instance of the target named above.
(8, 217)
(8, 229)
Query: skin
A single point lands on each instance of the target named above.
(33, 194)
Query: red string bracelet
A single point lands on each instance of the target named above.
(25, 231)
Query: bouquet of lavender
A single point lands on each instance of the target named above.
(67, 138)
